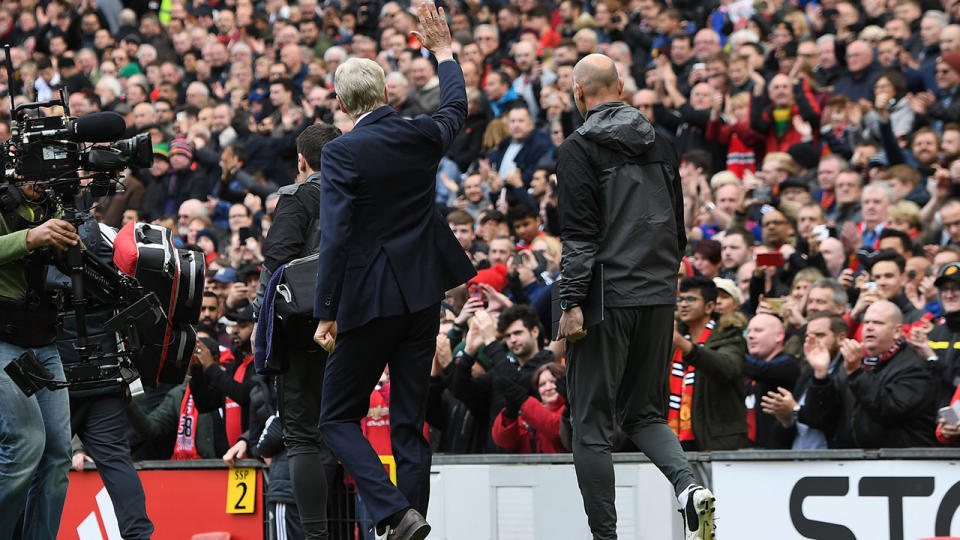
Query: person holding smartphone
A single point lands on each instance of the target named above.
(948, 429)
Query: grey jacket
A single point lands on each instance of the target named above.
(620, 205)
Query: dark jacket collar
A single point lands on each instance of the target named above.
(376, 115)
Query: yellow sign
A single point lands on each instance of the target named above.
(241, 491)
(390, 465)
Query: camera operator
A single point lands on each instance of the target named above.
(35, 431)
(98, 397)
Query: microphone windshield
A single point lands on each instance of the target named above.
(97, 127)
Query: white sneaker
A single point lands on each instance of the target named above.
(698, 515)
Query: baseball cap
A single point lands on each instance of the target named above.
(246, 270)
(244, 315)
(225, 275)
(729, 287)
(950, 272)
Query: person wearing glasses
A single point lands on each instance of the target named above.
(707, 410)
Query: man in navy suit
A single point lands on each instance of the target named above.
(386, 257)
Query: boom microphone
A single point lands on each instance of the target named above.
(92, 128)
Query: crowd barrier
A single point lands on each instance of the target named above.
(906, 494)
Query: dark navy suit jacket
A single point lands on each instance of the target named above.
(385, 249)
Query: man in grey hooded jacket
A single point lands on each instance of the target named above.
(621, 206)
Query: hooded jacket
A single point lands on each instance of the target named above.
(621, 205)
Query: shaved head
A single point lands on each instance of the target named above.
(886, 310)
(882, 327)
(596, 73)
(595, 81)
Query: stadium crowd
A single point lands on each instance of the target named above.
(819, 302)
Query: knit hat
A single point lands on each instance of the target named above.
(794, 182)
(805, 155)
(161, 151)
(495, 276)
(207, 233)
(951, 59)
(182, 147)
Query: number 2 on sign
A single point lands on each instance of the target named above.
(241, 491)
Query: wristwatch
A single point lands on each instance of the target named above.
(795, 413)
(566, 306)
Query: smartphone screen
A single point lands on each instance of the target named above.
(773, 258)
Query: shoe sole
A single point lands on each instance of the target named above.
(706, 507)
(421, 533)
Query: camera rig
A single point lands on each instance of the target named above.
(48, 154)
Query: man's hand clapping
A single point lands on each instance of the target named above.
(852, 352)
(442, 356)
(817, 356)
(779, 403)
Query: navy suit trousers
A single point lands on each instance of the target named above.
(407, 344)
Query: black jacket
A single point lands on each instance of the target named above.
(762, 377)
(621, 205)
(944, 339)
(468, 144)
(890, 406)
(294, 232)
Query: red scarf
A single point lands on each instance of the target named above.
(870, 362)
(680, 414)
(826, 201)
(186, 447)
(234, 414)
(862, 228)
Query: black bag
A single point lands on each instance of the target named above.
(297, 290)
(147, 252)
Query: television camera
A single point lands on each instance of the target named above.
(58, 155)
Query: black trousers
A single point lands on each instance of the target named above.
(406, 343)
(101, 424)
(310, 460)
(619, 374)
